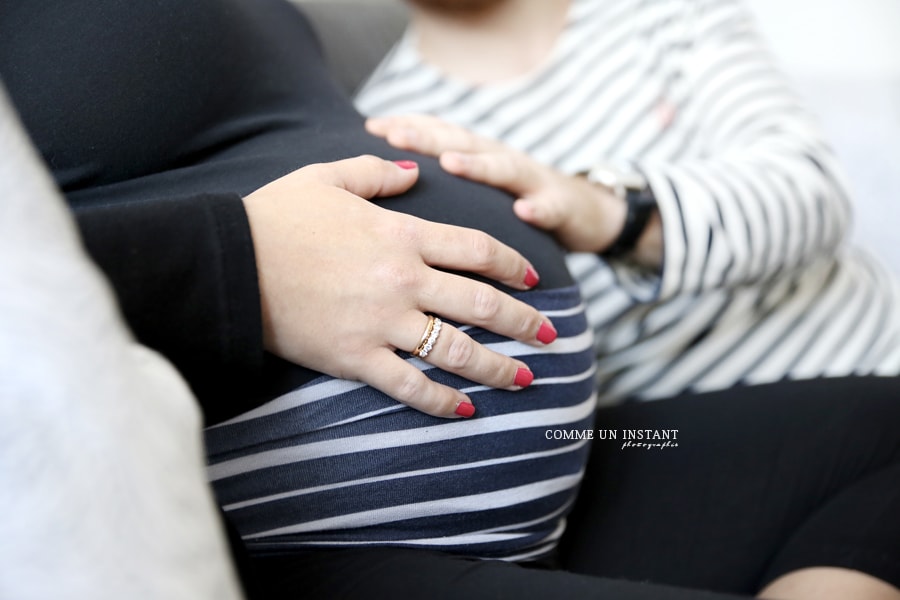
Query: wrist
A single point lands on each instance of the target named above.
(639, 230)
(649, 249)
(613, 214)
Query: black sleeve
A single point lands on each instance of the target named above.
(185, 275)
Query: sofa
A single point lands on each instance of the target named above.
(355, 35)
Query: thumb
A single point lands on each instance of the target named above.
(371, 177)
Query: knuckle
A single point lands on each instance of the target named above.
(460, 351)
(508, 162)
(425, 122)
(484, 250)
(369, 161)
(477, 166)
(397, 277)
(314, 171)
(416, 390)
(349, 353)
(519, 168)
(366, 169)
(529, 325)
(485, 304)
(410, 388)
(555, 212)
(348, 364)
(407, 232)
(467, 142)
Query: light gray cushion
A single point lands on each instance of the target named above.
(355, 35)
(102, 474)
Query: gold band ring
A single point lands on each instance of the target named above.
(429, 338)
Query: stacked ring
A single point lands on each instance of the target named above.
(429, 338)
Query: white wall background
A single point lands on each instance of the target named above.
(844, 58)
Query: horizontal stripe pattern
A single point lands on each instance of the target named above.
(335, 463)
(757, 284)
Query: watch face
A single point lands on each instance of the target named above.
(603, 177)
(617, 177)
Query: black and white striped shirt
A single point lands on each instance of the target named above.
(756, 284)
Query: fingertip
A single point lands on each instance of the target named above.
(383, 177)
(523, 378)
(547, 333)
(465, 409)
(531, 277)
(407, 165)
(377, 125)
(407, 176)
(454, 162)
(404, 138)
(524, 210)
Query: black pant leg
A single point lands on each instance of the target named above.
(373, 574)
(764, 480)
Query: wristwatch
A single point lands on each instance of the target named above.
(629, 185)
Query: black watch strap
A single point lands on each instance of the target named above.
(641, 204)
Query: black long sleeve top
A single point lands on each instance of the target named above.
(185, 277)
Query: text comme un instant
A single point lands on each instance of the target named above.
(612, 434)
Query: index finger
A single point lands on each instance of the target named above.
(428, 135)
(509, 170)
(473, 251)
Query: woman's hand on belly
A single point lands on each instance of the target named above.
(344, 283)
(584, 217)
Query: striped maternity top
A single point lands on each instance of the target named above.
(339, 464)
(756, 284)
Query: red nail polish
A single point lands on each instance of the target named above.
(465, 409)
(531, 277)
(546, 333)
(406, 164)
(524, 377)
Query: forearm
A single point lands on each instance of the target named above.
(753, 191)
(648, 251)
(184, 273)
(748, 215)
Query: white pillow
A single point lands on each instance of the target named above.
(102, 487)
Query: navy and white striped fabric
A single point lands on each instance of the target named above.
(756, 285)
(337, 464)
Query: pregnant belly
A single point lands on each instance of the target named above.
(335, 463)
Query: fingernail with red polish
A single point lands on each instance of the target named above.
(546, 333)
(524, 377)
(406, 164)
(465, 409)
(531, 277)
